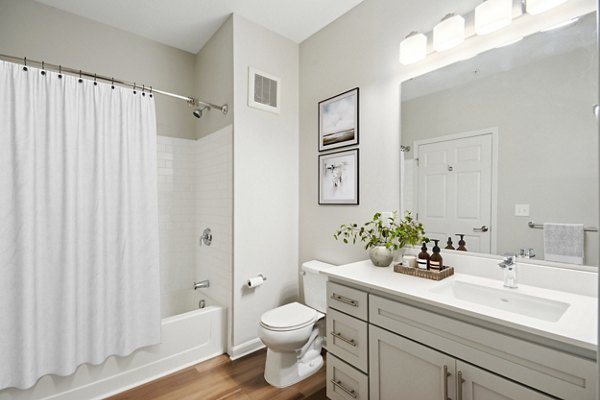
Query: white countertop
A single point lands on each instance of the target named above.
(577, 326)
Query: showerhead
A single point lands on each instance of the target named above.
(198, 111)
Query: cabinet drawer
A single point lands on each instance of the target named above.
(345, 382)
(346, 299)
(347, 338)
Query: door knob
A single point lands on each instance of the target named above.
(482, 229)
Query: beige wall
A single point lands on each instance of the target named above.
(39, 32)
(265, 166)
(214, 79)
(548, 143)
(358, 49)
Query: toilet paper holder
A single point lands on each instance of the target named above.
(264, 278)
(256, 281)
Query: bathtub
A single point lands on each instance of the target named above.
(187, 339)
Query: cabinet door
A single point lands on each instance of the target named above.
(401, 369)
(478, 384)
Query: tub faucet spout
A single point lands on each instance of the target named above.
(201, 284)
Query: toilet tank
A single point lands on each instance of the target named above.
(315, 284)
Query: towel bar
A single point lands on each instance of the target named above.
(541, 226)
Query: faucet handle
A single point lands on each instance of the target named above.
(510, 257)
(526, 253)
(509, 261)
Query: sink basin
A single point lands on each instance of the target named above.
(506, 300)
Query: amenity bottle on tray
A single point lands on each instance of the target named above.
(436, 261)
(423, 258)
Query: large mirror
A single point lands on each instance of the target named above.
(505, 139)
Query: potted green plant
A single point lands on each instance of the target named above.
(384, 236)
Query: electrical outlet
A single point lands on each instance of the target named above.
(521, 210)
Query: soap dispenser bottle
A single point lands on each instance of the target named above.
(423, 258)
(449, 244)
(436, 261)
(461, 242)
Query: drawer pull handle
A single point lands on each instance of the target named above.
(350, 392)
(445, 375)
(460, 383)
(351, 342)
(344, 300)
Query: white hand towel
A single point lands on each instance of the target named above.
(564, 243)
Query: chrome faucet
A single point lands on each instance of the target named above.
(509, 265)
(201, 284)
(526, 253)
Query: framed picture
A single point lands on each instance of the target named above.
(338, 177)
(338, 121)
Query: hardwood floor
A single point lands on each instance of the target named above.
(222, 379)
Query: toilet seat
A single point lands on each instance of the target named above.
(289, 317)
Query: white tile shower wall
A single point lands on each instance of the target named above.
(214, 209)
(177, 228)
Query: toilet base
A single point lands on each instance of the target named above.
(285, 369)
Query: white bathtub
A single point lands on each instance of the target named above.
(187, 339)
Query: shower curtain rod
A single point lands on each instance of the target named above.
(60, 69)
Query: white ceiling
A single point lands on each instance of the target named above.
(188, 24)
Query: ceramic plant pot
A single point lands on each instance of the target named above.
(381, 256)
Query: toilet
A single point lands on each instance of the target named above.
(293, 333)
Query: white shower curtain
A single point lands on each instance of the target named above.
(79, 277)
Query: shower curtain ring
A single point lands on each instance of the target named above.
(25, 64)
(134, 91)
(80, 80)
(112, 83)
(95, 83)
(144, 90)
(60, 72)
(150, 91)
(43, 72)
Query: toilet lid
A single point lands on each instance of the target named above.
(289, 316)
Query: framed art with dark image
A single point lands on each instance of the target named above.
(338, 121)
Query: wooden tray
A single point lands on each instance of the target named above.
(421, 273)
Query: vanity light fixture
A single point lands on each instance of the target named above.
(535, 7)
(492, 15)
(450, 32)
(413, 48)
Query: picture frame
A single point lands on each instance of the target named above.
(338, 178)
(339, 120)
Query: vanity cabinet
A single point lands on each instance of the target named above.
(384, 347)
(402, 369)
(540, 367)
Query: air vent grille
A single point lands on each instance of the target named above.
(265, 90)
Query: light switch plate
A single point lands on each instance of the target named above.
(521, 210)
